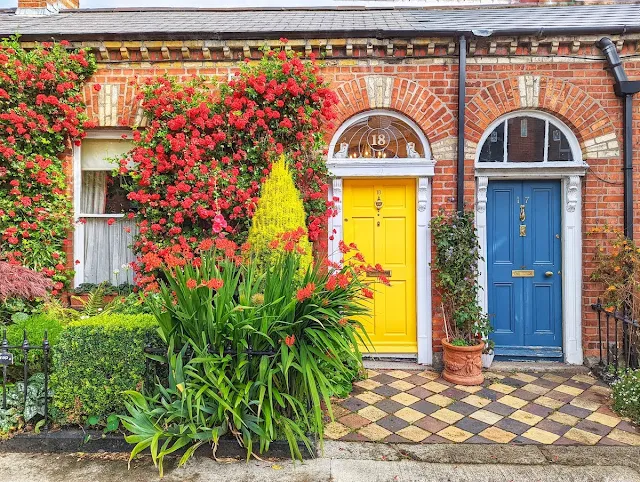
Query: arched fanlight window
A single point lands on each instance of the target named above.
(530, 138)
(379, 135)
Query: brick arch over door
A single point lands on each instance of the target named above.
(402, 95)
(589, 121)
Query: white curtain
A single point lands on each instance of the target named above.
(93, 198)
(107, 249)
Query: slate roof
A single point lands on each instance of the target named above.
(100, 24)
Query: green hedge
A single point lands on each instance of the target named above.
(35, 327)
(95, 360)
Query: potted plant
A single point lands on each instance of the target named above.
(488, 353)
(456, 278)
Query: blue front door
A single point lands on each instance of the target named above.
(524, 262)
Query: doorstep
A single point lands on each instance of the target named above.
(510, 407)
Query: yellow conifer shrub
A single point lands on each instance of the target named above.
(279, 210)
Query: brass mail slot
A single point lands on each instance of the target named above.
(376, 274)
(522, 273)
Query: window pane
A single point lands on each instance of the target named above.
(103, 194)
(493, 147)
(379, 136)
(96, 153)
(558, 145)
(107, 251)
(525, 139)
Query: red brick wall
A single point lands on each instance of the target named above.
(578, 92)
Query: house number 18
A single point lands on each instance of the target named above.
(378, 140)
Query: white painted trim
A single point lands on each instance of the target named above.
(382, 168)
(573, 143)
(571, 236)
(79, 231)
(384, 112)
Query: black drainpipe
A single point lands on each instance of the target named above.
(462, 94)
(623, 88)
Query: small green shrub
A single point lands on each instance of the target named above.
(96, 359)
(626, 395)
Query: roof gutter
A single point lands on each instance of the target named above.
(625, 89)
(462, 94)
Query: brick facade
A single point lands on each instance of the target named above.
(564, 77)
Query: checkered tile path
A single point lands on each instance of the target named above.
(400, 406)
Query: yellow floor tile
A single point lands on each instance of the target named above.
(501, 387)
(512, 402)
(335, 430)
(541, 436)
(549, 402)
(398, 374)
(404, 398)
(413, 433)
(563, 418)
(569, 390)
(339, 411)
(486, 416)
(430, 374)
(372, 373)
(435, 387)
(493, 376)
(600, 390)
(470, 388)
(372, 413)
(524, 377)
(409, 414)
(370, 397)
(447, 416)
(367, 384)
(537, 389)
(374, 432)
(581, 436)
(554, 378)
(476, 401)
(440, 400)
(625, 437)
(402, 385)
(584, 403)
(604, 419)
(455, 434)
(584, 378)
(525, 417)
(497, 435)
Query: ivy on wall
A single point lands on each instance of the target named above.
(41, 110)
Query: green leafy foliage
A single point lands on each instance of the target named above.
(626, 395)
(18, 413)
(96, 359)
(456, 276)
(308, 323)
(35, 326)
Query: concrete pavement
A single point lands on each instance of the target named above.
(351, 462)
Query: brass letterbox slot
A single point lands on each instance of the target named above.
(376, 274)
(522, 273)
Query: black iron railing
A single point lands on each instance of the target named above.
(618, 341)
(7, 358)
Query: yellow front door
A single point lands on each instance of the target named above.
(380, 218)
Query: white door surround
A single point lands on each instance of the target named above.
(570, 174)
(422, 169)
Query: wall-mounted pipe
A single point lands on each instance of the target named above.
(462, 94)
(625, 89)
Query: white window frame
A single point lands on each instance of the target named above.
(422, 170)
(570, 174)
(505, 164)
(79, 232)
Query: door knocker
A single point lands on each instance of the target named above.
(378, 203)
(522, 215)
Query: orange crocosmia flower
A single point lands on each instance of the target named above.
(332, 282)
(191, 284)
(367, 293)
(343, 321)
(206, 245)
(215, 283)
(360, 257)
(306, 292)
(274, 244)
(290, 340)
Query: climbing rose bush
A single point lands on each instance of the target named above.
(41, 110)
(199, 164)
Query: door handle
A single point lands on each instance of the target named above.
(548, 274)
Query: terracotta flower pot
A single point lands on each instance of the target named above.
(462, 364)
